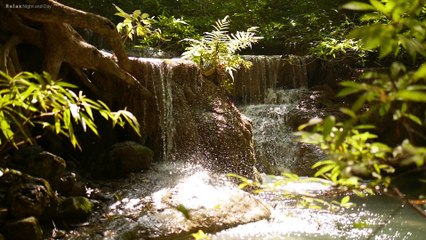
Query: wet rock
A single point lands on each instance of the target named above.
(123, 158)
(27, 195)
(199, 200)
(71, 184)
(75, 208)
(192, 119)
(24, 229)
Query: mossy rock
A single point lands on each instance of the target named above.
(27, 196)
(123, 158)
(24, 229)
(75, 208)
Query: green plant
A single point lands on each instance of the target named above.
(355, 160)
(304, 199)
(162, 32)
(30, 99)
(172, 30)
(353, 156)
(200, 235)
(216, 51)
(135, 24)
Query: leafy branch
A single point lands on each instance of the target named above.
(30, 99)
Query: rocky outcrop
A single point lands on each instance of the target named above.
(192, 119)
(27, 196)
(171, 201)
(34, 161)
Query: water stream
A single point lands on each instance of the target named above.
(378, 217)
(270, 102)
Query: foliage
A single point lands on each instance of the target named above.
(29, 99)
(172, 31)
(162, 32)
(281, 22)
(392, 25)
(398, 94)
(216, 51)
(335, 46)
(302, 198)
(200, 235)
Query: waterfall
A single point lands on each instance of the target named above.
(270, 94)
(276, 148)
(161, 75)
(269, 72)
(190, 118)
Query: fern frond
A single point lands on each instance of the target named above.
(222, 25)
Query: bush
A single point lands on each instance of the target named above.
(30, 99)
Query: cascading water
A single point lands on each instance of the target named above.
(269, 72)
(162, 75)
(270, 91)
(275, 145)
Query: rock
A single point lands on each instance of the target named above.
(38, 163)
(71, 184)
(75, 208)
(27, 195)
(192, 119)
(123, 158)
(48, 166)
(3, 215)
(24, 229)
(198, 201)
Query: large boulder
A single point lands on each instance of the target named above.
(121, 159)
(191, 118)
(171, 201)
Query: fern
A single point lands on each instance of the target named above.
(216, 52)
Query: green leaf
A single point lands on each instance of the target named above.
(328, 126)
(414, 118)
(380, 7)
(136, 13)
(312, 121)
(345, 200)
(415, 96)
(357, 6)
(420, 73)
(324, 169)
(323, 162)
(348, 112)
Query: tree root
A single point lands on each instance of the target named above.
(55, 33)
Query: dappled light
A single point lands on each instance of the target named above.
(212, 119)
